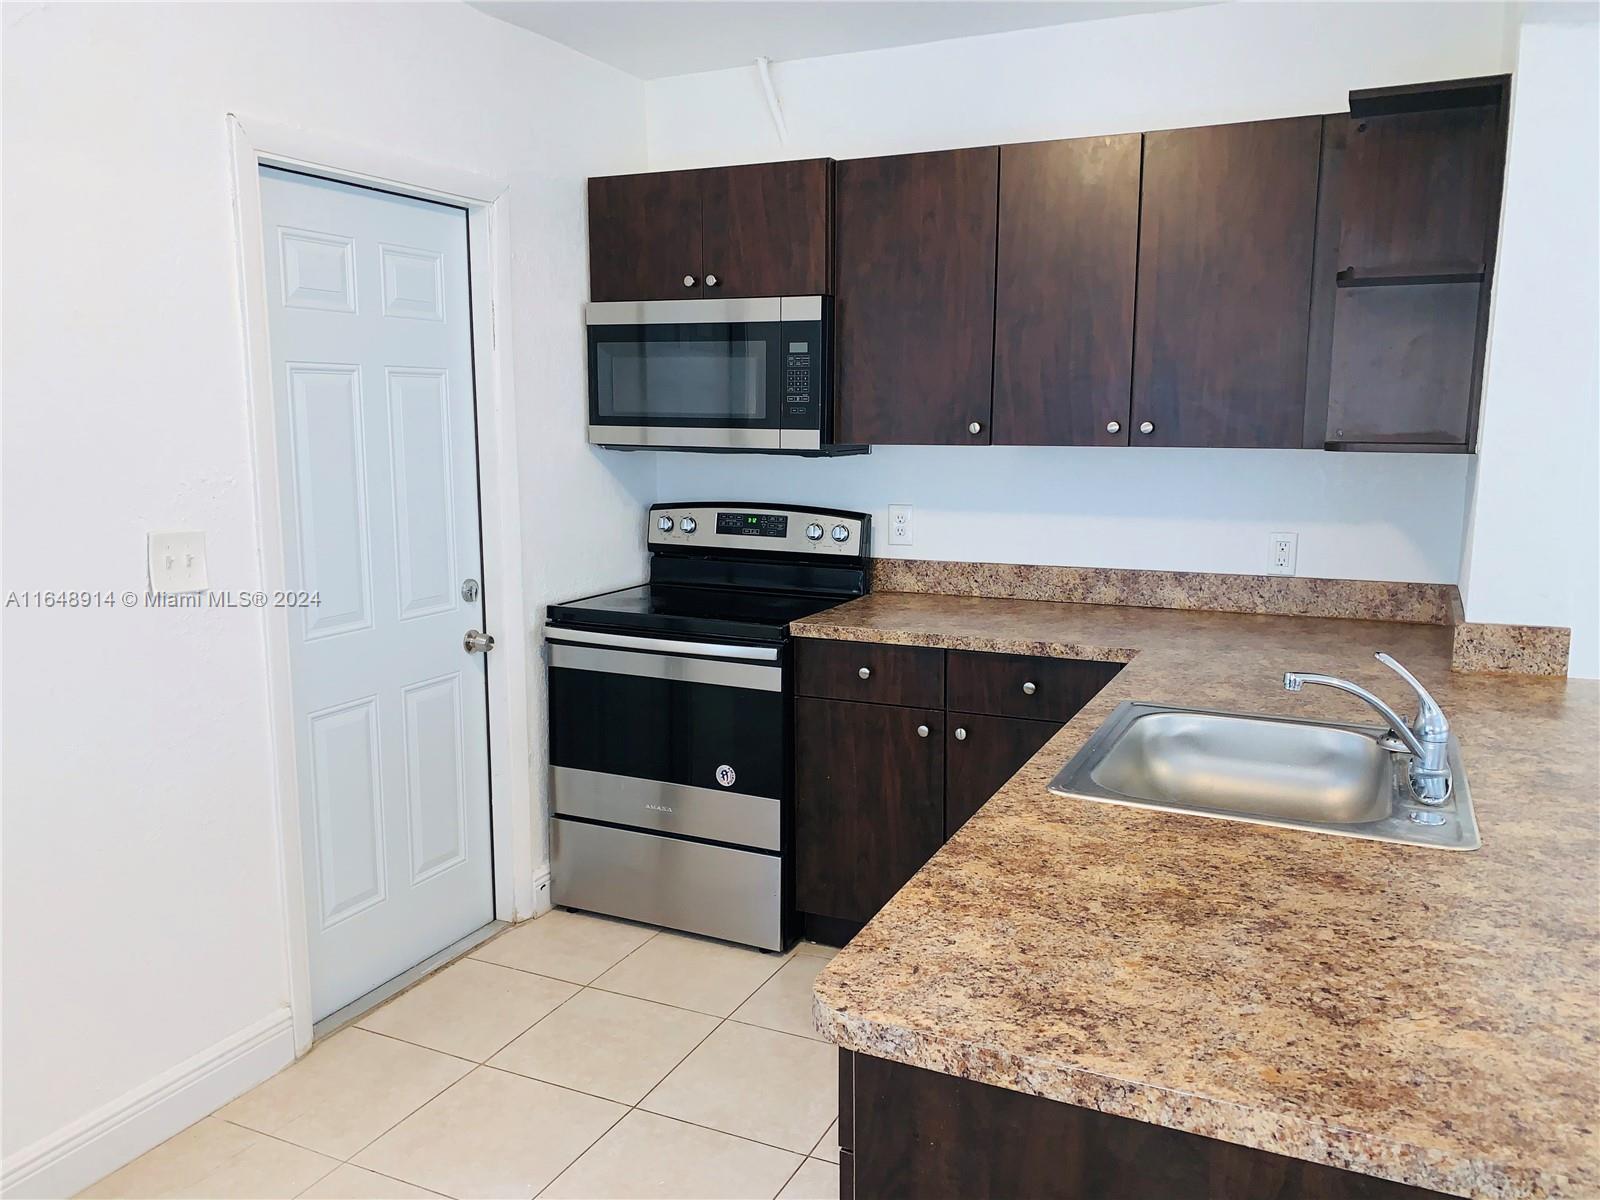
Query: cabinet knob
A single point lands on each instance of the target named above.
(688, 281)
(922, 731)
(711, 281)
(1113, 426)
(1028, 689)
(865, 672)
(975, 427)
(1147, 427)
(961, 735)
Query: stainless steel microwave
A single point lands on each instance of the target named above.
(750, 374)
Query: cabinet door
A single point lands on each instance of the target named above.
(644, 236)
(914, 297)
(981, 753)
(1225, 246)
(869, 802)
(1068, 257)
(765, 229)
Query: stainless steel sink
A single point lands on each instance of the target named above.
(1313, 775)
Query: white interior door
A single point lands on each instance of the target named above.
(372, 373)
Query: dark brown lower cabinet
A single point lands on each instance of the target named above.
(980, 754)
(896, 747)
(905, 1132)
(869, 802)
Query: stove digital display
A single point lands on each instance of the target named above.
(773, 525)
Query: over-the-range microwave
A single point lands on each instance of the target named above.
(750, 374)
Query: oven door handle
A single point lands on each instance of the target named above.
(622, 641)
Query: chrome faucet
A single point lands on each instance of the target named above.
(1426, 739)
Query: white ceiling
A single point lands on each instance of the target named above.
(656, 38)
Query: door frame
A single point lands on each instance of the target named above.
(254, 144)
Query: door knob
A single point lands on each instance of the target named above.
(688, 281)
(922, 731)
(1113, 426)
(711, 281)
(1146, 427)
(961, 735)
(477, 643)
(975, 427)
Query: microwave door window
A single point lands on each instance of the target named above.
(691, 382)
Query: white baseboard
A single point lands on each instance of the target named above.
(72, 1158)
(541, 892)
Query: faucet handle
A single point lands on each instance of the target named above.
(1430, 722)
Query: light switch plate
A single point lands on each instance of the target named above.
(177, 562)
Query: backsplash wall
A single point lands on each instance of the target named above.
(1358, 516)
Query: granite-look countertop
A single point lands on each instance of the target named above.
(1427, 1016)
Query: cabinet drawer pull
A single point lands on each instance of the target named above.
(922, 731)
(961, 734)
(865, 672)
(1028, 689)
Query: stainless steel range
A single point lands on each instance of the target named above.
(671, 743)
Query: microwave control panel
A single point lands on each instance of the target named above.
(799, 397)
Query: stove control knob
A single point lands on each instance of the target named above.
(688, 524)
(841, 534)
(664, 524)
(814, 532)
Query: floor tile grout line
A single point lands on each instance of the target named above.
(797, 1168)
(573, 1161)
(649, 1091)
(637, 1106)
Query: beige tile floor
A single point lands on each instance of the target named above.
(572, 1056)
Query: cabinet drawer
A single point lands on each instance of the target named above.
(870, 671)
(1017, 685)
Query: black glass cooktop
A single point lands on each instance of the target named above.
(694, 612)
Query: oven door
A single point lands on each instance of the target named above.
(680, 738)
(687, 373)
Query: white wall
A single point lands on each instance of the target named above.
(142, 920)
(1358, 516)
(1533, 544)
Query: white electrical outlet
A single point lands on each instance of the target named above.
(899, 524)
(1285, 548)
(177, 562)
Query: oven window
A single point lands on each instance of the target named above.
(709, 380)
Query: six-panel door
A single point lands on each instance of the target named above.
(370, 333)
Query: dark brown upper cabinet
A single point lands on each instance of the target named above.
(1410, 207)
(1225, 264)
(914, 259)
(758, 230)
(1064, 291)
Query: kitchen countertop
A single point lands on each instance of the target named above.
(1426, 1016)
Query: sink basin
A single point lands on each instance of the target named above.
(1310, 775)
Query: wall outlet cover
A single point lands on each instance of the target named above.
(177, 562)
(899, 524)
(1284, 549)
